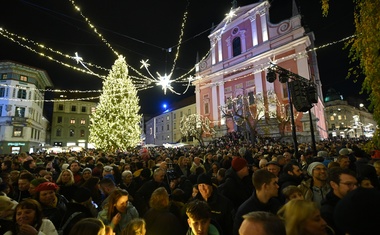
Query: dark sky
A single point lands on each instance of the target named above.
(142, 30)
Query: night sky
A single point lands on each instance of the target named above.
(142, 30)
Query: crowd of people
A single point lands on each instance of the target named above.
(229, 187)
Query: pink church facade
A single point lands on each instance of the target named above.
(241, 51)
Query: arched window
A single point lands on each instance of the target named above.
(236, 44)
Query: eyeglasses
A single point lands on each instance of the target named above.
(350, 184)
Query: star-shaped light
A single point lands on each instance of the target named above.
(164, 81)
(144, 63)
(231, 14)
(77, 58)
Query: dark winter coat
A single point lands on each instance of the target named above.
(253, 204)
(162, 222)
(235, 189)
(327, 211)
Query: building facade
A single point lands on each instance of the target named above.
(23, 128)
(165, 128)
(345, 120)
(242, 48)
(70, 123)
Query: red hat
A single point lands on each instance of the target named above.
(46, 186)
(238, 163)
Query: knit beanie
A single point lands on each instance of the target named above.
(238, 163)
(311, 167)
(204, 179)
(46, 186)
(87, 169)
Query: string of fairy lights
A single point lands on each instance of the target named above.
(141, 82)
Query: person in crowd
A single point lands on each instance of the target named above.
(22, 190)
(220, 176)
(182, 167)
(79, 208)
(200, 219)
(261, 223)
(108, 173)
(158, 218)
(221, 207)
(7, 206)
(89, 226)
(28, 219)
(30, 165)
(344, 161)
(75, 168)
(33, 185)
(292, 192)
(135, 227)
(144, 193)
(66, 184)
(274, 167)
(315, 188)
(263, 197)
(235, 188)
(118, 211)
(303, 218)
(107, 187)
(129, 184)
(92, 185)
(86, 175)
(53, 204)
(194, 192)
(196, 164)
(342, 181)
(291, 175)
(6, 166)
(358, 212)
(363, 168)
(180, 182)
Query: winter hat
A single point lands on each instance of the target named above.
(108, 168)
(146, 173)
(238, 163)
(204, 179)
(87, 169)
(65, 166)
(273, 163)
(344, 152)
(38, 181)
(323, 154)
(46, 186)
(311, 167)
(81, 195)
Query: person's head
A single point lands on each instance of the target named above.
(135, 227)
(107, 186)
(342, 181)
(66, 178)
(365, 183)
(221, 174)
(273, 167)
(302, 218)
(107, 170)
(75, 167)
(344, 161)
(197, 160)
(195, 191)
(159, 175)
(263, 163)
(24, 181)
(34, 184)
(159, 199)
(88, 226)
(199, 217)
(46, 193)
(6, 208)
(29, 212)
(292, 169)
(318, 171)
(240, 166)
(205, 186)
(117, 203)
(265, 181)
(86, 173)
(127, 176)
(262, 223)
(292, 192)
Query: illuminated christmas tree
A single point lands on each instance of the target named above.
(115, 125)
